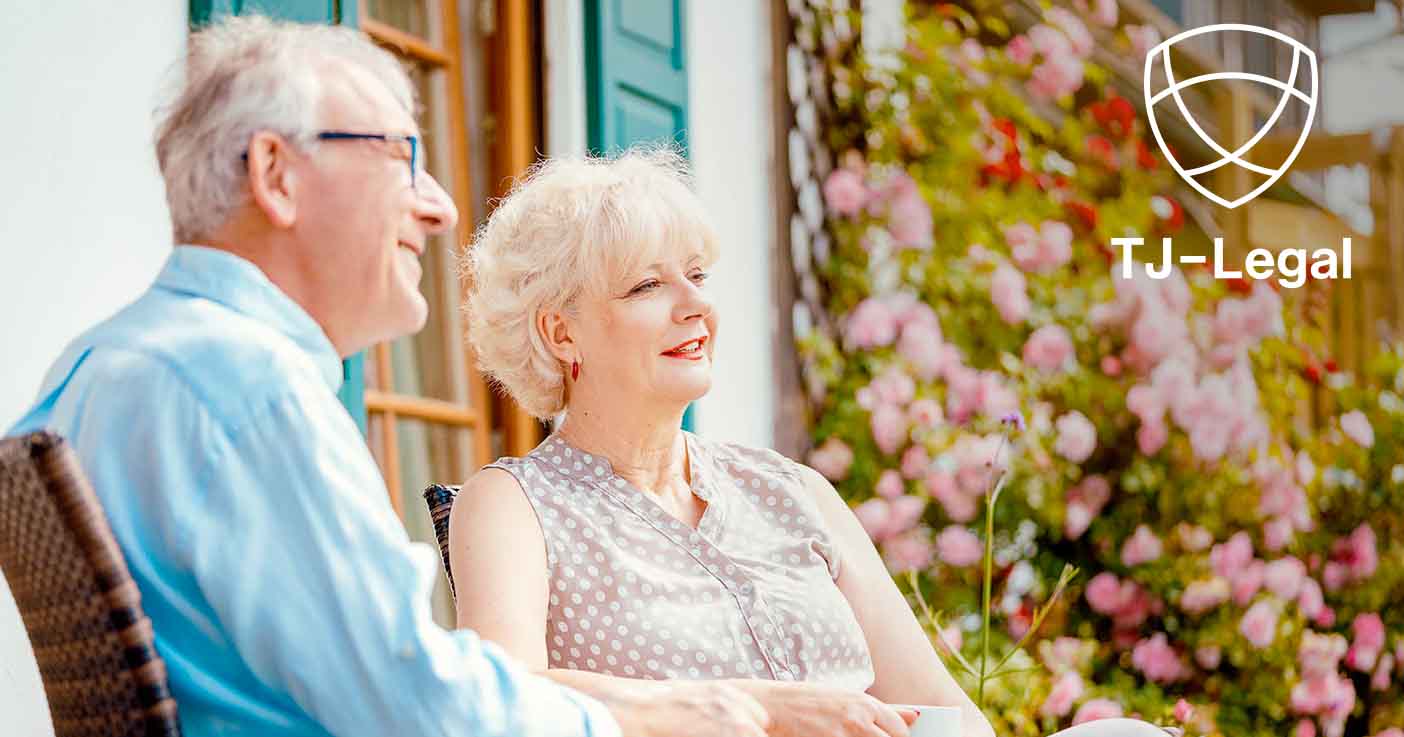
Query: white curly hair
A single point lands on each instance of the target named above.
(572, 226)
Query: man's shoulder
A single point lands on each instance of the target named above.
(227, 360)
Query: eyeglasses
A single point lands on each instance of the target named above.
(395, 138)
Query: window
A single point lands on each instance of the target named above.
(428, 411)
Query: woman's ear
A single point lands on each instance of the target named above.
(555, 331)
(273, 180)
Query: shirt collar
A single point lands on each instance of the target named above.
(238, 284)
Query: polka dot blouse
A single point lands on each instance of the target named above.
(639, 594)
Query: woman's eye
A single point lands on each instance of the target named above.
(644, 287)
(700, 276)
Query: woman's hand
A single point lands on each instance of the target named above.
(802, 710)
(683, 709)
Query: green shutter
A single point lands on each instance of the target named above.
(636, 77)
(636, 73)
(343, 12)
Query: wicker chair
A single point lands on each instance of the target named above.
(94, 645)
(440, 499)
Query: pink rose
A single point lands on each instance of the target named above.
(1246, 581)
(1104, 593)
(1111, 366)
(1320, 654)
(1151, 437)
(1380, 680)
(1202, 596)
(1020, 50)
(1056, 77)
(1284, 577)
(910, 551)
(1309, 598)
(1071, 25)
(1077, 437)
(1084, 502)
(889, 484)
(1143, 39)
(1194, 538)
(875, 515)
(1208, 657)
(1007, 292)
(942, 487)
(1230, 556)
(1045, 249)
(915, 462)
(1369, 641)
(952, 637)
(922, 346)
(1277, 533)
(1358, 553)
(1104, 14)
(959, 547)
(1049, 348)
(1390, 732)
(872, 324)
(906, 512)
(1066, 691)
(1306, 728)
(1142, 547)
(1097, 709)
(832, 459)
(926, 413)
(1357, 427)
(889, 426)
(1158, 661)
(845, 192)
(1183, 711)
(910, 219)
(1259, 624)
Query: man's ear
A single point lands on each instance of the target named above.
(273, 178)
(555, 331)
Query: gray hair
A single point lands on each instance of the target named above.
(243, 75)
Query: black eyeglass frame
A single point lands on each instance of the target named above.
(413, 142)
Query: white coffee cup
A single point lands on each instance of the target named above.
(935, 721)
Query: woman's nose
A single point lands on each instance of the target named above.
(696, 303)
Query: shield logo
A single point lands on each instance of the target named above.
(1287, 92)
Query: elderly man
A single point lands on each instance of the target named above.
(286, 597)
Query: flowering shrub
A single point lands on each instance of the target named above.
(1240, 570)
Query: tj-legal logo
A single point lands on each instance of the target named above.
(1292, 264)
(1159, 57)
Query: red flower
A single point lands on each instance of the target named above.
(1145, 158)
(1331, 366)
(1102, 149)
(1312, 372)
(1240, 285)
(1006, 127)
(1086, 214)
(1115, 114)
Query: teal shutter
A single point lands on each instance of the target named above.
(342, 12)
(636, 75)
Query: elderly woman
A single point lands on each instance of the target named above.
(625, 547)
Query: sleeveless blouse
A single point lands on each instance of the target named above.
(637, 593)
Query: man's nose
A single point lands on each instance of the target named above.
(433, 206)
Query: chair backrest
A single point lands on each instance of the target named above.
(81, 609)
(440, 499)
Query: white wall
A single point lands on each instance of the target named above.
(83, 221)
(730, 126)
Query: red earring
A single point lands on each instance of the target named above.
(575, 371)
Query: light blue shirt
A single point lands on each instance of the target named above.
(286, 596)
